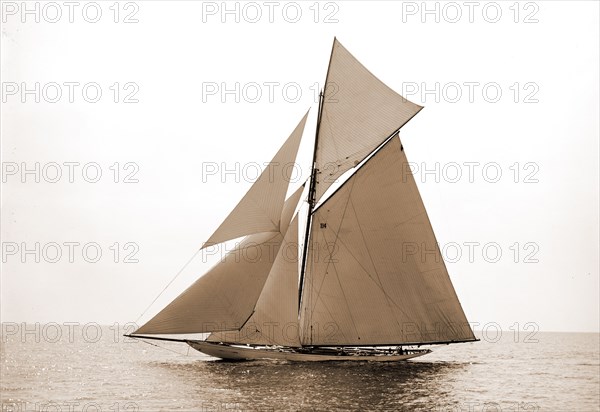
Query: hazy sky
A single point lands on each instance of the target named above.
(507, 89)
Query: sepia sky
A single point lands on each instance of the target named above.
(126, 141)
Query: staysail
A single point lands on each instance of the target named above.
(260, 209)
(359, 112)
(374, 274)
(275, 317)
(223, 298)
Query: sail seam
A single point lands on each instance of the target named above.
(337, 276)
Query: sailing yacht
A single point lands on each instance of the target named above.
(367, 283)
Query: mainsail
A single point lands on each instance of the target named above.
(359, 112)
(374, 273)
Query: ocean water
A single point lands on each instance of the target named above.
(91, 369)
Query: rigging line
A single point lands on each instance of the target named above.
(266, 337)
(387, 297)
(242, 249)
(312, 189)
(333, 141)
(304, 321)
(358, 168)
(283, 243)
(410, 218)
(337, 276)
(324, 303)
(334, 244)
(371, 278)
(168, 284)
(162, 347)
(367, 158)
(337, 233)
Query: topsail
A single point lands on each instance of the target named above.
(359, 113)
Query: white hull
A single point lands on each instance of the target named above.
(242, 352)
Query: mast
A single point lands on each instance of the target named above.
(311, 200)
(312, 191)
